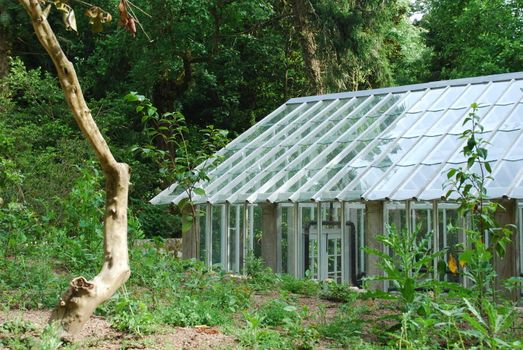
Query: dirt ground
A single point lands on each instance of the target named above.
(98, 334)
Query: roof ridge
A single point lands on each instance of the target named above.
(411, 87)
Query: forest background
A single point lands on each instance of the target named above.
(226, 63)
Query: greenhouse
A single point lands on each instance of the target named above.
(315, 181)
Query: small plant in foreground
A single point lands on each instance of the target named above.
(301, 336)
(255, 336)
(488, 329)
(130, 315)
(346, 327)
(277, 312)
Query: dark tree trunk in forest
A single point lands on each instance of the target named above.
(81, 299)
(5, 52)
(302, 9)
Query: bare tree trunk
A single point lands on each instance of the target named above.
(81, 299)
(5, 51)
(301, 10)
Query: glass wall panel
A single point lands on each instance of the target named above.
(202, 220)
(255, 229)
(217, 224)
(396, 216)
(331, 242)
(450, 236)
(286, 238)
(309, 231)
(354, 258)
(234, 239)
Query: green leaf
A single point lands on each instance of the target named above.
(488, 168)
(408, 290)
(199, 191)
(186, 226)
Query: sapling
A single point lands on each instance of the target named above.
(467, 185)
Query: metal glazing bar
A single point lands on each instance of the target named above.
(320, 245)
(237, 240)
(251, 230)
(345, 151)
(435, 236)
(418, 140)
(244, 239)
(458, 149)
(208, 234)
(225, 236)
(345, 258)
(240, 164)
(346, 168)
(278, 239)
(295, 134)
(277, 164)
(311, 148)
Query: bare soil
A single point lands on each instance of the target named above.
(98, 334)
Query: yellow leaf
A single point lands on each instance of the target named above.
(462, 263)
(452, 264)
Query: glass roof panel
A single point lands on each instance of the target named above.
(516, 151)
(514, 93)
(472, 94)
(418, 153)
(448, 98)
(395, 143)
(427, 100)
(505, 175)
(493, 93)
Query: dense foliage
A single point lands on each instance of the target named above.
(207, 65)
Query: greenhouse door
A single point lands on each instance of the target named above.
(332, 264)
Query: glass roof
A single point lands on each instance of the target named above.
(385, 144)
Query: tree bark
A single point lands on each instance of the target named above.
(301, 10)
(81, 299)
(5, 51)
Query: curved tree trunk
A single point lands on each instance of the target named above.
(81, 299)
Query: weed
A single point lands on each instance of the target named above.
(300, 286)
(129, 315)
(256, 336)
(346, 326)
(277, 312)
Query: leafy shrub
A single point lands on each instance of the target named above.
(129, 315)
(331, 290)
(19, 334)
(277, 312)
(256, 336)
(301, 336)
(261, 276)
(303, 286)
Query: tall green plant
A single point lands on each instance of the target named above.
(409, 266)
(468, 185)
(178, 160)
